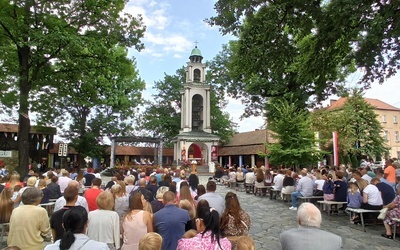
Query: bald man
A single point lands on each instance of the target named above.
(148, 195)
(308, 235)
(81, 201)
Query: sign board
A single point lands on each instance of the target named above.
(63, 149)
(5, 154)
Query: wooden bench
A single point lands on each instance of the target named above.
(361, 212)
(309, 198)
(330, 204)
(274, 193)
(397, 220)
(286, 197)
(240, 186)
(249, 187)
(259, 190)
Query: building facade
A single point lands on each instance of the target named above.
(388, 116)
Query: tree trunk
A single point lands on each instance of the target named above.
(23, 112)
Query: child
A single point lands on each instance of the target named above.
(15, 195)
(328, 189)
(354, 200)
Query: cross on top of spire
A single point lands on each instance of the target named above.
(196, 42)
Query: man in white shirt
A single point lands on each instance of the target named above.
(364, 174)
(278, 184)
(61, 202)
(63, 180)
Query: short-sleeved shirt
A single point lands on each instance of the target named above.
(387, 192)
(91, 196)
(56, 222)
(374, 195)
(391, 174)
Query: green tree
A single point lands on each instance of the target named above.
(357, 126)
(295, 140)
(39, 37)
(307, 48)
(162, 115)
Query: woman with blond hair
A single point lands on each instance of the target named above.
(15, 179)
(151, 241)
(185, 194)
(121, 201)
(157, 203)
(104, 222)
(187, 205)
(6, 205)
(136, 223)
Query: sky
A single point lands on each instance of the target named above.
(173, 27)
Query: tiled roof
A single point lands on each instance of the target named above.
(378, 104)
(121, 150)
(139, 151)
(13, 128)
(242, 150)
(249, 138)
(247, 143)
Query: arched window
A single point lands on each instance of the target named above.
(196, 75)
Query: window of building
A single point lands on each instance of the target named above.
(386, 135)
(395, 119)
(383, 118)
(396, 135)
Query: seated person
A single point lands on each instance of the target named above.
(308, 235)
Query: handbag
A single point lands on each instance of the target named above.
(382, 213)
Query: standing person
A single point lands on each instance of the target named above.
(70, 196)
(170, 217)
(75, 222)
(148, 195)
(304, 188)
(80, 178)
(29, 222)
(308, 235)
(186, 195)
(63, 180)
(92, 193)
(121, 201)
(46, 192)
(54, 188)
(193, 183)
(89, 177)
(151, 241)
(152, 186)
(6, 205)
(136, 223)
(234, 221)
(209, 235)
(81, 201)
(390, 172)
(104, 222)
(214, 200)
(328, 188)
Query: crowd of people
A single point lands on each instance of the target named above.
(364, 187)
(139, 209)
(165, 209)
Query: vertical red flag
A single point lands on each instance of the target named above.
(335, 148)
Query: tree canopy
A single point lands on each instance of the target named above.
(307, 48)
(41, 40)
(295, 140)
